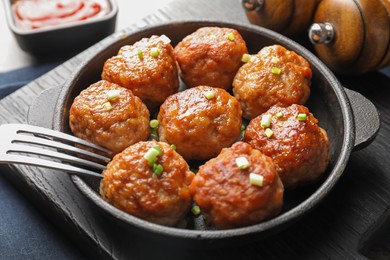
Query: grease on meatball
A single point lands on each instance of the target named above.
(210, 56)
(299, 149)
(225, 194)
(130, 184)
(115, 128)
(147, 67)
(199, 126)
(274, 76)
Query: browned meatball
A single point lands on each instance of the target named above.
(130, 184)
(110, 116)
(200, 121)
(274, 76)
(298, 146)
(210, 56)
(226, 195)
(147, 67)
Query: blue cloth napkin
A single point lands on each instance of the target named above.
(15, 79)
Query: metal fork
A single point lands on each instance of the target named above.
(21, 143)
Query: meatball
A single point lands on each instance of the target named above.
(223, 189)
(147, 67)
(298, 146)
(110, 116)
(200, 121)
(130, 184)
(210, 56)
(274, 76)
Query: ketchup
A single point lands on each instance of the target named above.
(33, 14)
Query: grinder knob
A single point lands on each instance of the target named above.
(321, 33)
(252, 5)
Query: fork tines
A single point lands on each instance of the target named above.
(33, 145)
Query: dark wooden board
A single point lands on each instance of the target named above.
(350, 224)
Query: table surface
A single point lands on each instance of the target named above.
(352, 223)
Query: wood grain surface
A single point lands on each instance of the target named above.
(350, 224)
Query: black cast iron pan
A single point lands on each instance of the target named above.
(350, 120)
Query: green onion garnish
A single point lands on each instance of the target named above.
(209, 94)
(165, 39)
(266, 120)
(245, 57)
(242, 162)
(279, 114)
(242, 130)
(256, 179)
(107, 106)
(140, 54)
(268, 132)
(173, 146)
(276, 70)
(155, 52)
(113, 94)
(231, 36)
(154, 135)
(153, 123)
(302, 117)
(196, 210)
(158, 169)
(151, 155)
(153, 131)
(158, 150)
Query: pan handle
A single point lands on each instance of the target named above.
(367, 120)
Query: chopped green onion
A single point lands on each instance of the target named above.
(231, 36)
(246, 57)
(158, 169)
(209, 94)
(302, 117)
(113, 94)
(153, 123)
(107, 106)
(242, 162)
(165, 39)
(242, 132)
(268, 132)
(153, 134)
(279, 114)
(275, 60)
(158, 150)
(196, 210)
(151, 156)
(276, 70)
(140, 54)
(266, 120)
(256, 179)
(173, 146)
(155, 52)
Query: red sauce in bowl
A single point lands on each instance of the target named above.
(34, 14)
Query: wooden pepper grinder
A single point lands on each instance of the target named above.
(288, 17)
(352, 36)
